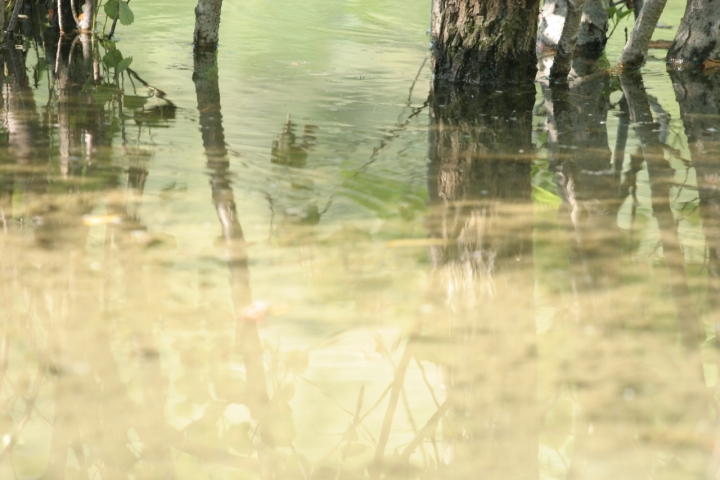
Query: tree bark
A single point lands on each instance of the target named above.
(636, 48)
(88, 15)
(66, 17)
(207, 23)
(593, 26)
(698, 37)
(568, 40)
(484, 42)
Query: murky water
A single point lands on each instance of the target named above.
(305, 263)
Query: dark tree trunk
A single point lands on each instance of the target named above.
(207, 23)
(482, 279)
(484, 42)
(698, 37)
(66, 17)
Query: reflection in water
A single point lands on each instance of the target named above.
(263, 410)
(482, 272)
(699, 97)
(287, 151)
(542, 313)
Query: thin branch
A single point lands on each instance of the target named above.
(426, 431)
(392, 406)
(29, 406)
(15, 14)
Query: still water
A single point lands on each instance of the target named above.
(304, 262)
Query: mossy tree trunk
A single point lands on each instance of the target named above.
(698, 37)
(484, 41)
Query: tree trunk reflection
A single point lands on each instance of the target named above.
(482, 279)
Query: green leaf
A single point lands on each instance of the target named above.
(545, 198)
(112, 58)
(610, 11)
(110, 8)
(123, 64)
(624, 13)
(126, 15)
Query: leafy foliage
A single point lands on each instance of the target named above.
(125, 14)
(615, 15)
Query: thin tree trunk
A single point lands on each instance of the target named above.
(568, 41)
(88, 15)
(14, 17)
(66, 15)
(593, 26)
(637, 7)
(2, 19)
(698, 37)
(636, 48)
(207, 23)
(484, 42)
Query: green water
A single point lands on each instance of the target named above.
(330, 272)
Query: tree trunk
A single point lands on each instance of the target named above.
(593, 27)
(568, 40)
(88, 15)
(635, 51)
(484, 42)
(637, 6)
(698, 37)
(2, 19)
(207, 23)
(66, 17)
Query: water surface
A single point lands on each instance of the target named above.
(304, 261)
